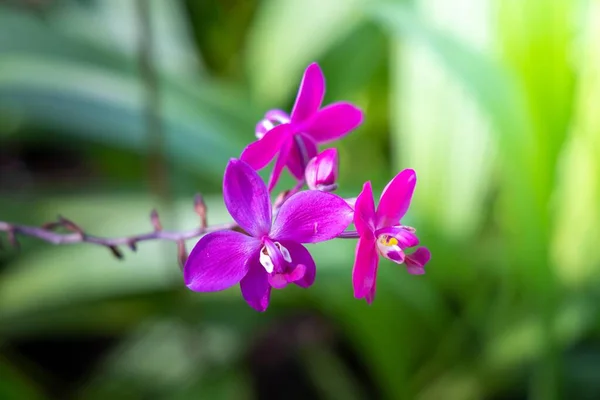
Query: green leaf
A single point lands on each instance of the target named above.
(15, 385)
(288, 35)
(451, 152)
(577, 201)
(106, 107)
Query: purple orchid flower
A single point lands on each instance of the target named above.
(380, 233)
(294, 139)
(271, 255)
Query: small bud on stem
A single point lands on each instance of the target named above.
(182, 254)
(70, 225)
(200, 208)
(116, 252)
(155, 219)
(322, 171)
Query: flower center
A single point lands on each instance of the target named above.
(389, 247)
(277, 261)
(266, 256)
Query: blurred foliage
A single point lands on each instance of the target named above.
(493, 102)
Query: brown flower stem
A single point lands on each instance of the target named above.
(48, 234)
(348, 235)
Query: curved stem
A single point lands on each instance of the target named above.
(349, 235)
(77, 235)
(50, 236)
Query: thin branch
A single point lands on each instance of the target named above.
(72, 238)
(77, 235)
(348, 235)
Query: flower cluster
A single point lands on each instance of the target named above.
(265, 250)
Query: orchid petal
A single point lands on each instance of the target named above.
(395, 198)
(259, 153)
(280, 281)
(369, 297)
(219, 260)
(263, 126)
(333, 122)
(364, 212)
(416, 261)
(295, 162)
(279, 116)
(310, 217)
(276, 256)
(364, 272)
(280, 163)
(277, 281)
(255, 287)
(397, 256)
(310, 94)
(351, 201)
(301, 256)
(246, 198)
(405, 236)
(297, 273)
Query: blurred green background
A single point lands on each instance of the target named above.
(493, 102)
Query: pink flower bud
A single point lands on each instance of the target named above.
(322, 171)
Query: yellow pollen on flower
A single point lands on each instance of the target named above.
(388, 241)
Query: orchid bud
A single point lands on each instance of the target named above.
(322, 171)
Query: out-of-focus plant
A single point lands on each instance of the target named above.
(263, 249)
(491, 102)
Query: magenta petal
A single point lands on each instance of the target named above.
(246, 198)
(278, 281)
(416, 261)
(297, 273)
(219, 260)
(259, 153)
(255, 287)
(415, 270)
(371, 295)
(395, 198)
(310, 94)
(396, 256)
(351, 201)
(295, 162)
(300, 255)
(310, 217)
(333, 122)
(280, 163)
(405, 236)
(364, 272)
(263, 126)
(364, 212)
(278, 116)
(279, 264)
